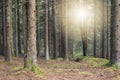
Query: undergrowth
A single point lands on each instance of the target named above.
(94, 62)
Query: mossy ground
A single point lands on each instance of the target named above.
(86, 68)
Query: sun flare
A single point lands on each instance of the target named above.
(79, 14)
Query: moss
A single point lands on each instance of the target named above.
(28, 64)
(85, 73)
(91, 61)
(39, 72)
(78, 57)
(58, 70)
(95, 62)
(59, 59)
(34, 68)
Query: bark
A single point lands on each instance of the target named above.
(16, 29)
(115, 33)
(103, 34)
(55, 30)
(18, 25)
(108, 30)
(31, 45)
(84, 31)
(38, 33)
(9, 31)
(46, 33)
(94, 51)
(25, 24)
(64, 32)
(4, 29)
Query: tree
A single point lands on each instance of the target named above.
(64, 31)
(84, 31)
(25, 24)
(31, 58)
(46, 32)
(55, 28)
(115, 33)
(16, 27)
(95, 32)
(108, 31)
(38, 30)
(103, 33)
(4, 28)
(9, 30)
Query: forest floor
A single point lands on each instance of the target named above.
(86, 69)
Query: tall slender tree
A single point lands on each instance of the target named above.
(16, 28)
(84, 30)
(66, 32)
(115, 33)
(31, 60)
(55, 29)
(103, 32)
(25, 24)
(46, 32)
(95, 32)
(9, 30)
(4, 28)
(19, 27)
(108, 29)
(38, 30)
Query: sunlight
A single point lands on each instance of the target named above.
(80, 14)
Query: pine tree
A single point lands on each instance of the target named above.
(9, 30)
(31, 58)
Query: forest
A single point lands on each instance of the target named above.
(59, 39)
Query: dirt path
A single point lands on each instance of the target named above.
(56, 70)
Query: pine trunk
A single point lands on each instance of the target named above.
(31, 60)
(9, 30)
(46, 33)
(116, 33)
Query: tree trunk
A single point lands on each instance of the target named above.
(9, 31)
(46, 33)
(55, 28)
(108, 30)
(115, 33)
(16, 29)
(25, 24)
(94, 51)
(103, 34)
(31, 60)
(18, 25)
(38, 32)
(4, 29)
(84, 31)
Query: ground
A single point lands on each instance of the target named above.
(86, 69)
